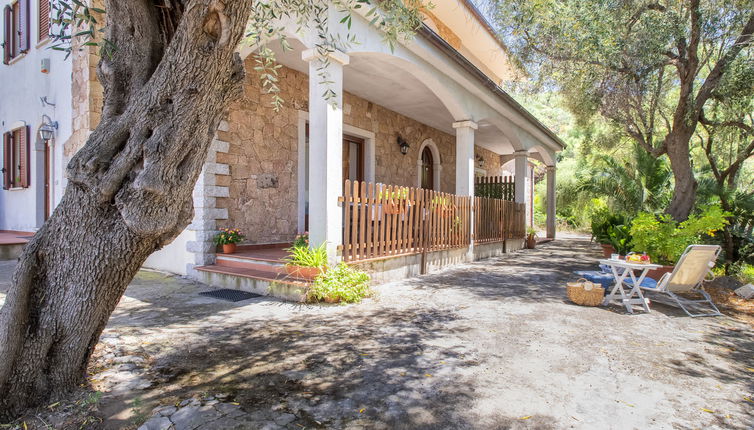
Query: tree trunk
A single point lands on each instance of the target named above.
(684, 190)
(129, 190)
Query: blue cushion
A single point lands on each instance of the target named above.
(646, 283)
(604, 279)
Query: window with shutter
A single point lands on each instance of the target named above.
(24, 25)
(7, 160)
(16, 158)
(17, 29)
(44, 20)
(7, 34)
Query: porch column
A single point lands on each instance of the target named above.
(551, 202)
(465, 157)
(520, 175)
(325, 149)
(465, 169)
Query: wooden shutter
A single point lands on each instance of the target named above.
(24, 25)
(7, 33)
(44, 20)
(24, 156)
(7, 165)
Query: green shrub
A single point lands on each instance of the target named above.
(619, 236)
(341, 284)
(746, 273)
(665, 240)
(306, 257)
(603, 220)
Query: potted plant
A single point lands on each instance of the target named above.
(228, 238)
(531, 238)
(619, 237)
(305, 262)
(602, 221)
(341, 284)
(665, 240)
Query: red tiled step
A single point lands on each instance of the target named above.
(269, 275)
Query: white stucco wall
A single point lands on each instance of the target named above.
(174, 257)
(22, 86)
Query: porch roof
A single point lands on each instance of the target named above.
(464, 62)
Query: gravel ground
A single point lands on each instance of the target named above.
(492, 344)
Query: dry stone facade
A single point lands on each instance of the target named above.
(262, 154)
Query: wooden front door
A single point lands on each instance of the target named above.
(353, 158)
(48, 186)
(428, 173)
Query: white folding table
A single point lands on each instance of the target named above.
(618, 295)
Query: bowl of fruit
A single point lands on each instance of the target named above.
(638, 258)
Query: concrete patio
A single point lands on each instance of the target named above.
(493, 344)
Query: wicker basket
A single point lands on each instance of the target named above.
(585, 293)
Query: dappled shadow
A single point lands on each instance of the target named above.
(537, 275)
(377, 367)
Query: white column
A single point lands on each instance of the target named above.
(465, 169)
(325, 149)
(465, 157)
(551, 202)
(520, 175)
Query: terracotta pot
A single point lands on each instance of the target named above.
(531, 242)
(331, 300)
(607, 250)
(229, 248)
(656, 274)
(307, 273)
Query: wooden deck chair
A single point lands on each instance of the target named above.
(691, 269)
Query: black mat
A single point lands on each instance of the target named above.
(230, 295)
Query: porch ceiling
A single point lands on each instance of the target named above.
(376, 78)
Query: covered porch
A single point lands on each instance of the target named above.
(420, 117)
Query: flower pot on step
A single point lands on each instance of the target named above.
(229, 248)
(607, 250)
(307, 273)
(531, 242)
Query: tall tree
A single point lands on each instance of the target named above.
(651, 66)
(169, 72)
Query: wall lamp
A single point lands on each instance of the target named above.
(47, 130)
(403, 145)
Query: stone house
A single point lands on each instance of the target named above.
(428, 114)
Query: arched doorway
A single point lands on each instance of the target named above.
(427, 169)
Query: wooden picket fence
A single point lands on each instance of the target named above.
(387, 220)
(495, 187)
(496, 220)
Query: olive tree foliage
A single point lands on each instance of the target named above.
(169, 70)
(652, 67)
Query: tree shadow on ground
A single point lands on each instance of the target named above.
(380, 369)
(537, 275)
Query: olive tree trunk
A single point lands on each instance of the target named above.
(172, 74)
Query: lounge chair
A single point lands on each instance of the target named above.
(687, 277)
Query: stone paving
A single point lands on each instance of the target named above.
(493, 344)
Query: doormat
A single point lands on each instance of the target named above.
(229, 295)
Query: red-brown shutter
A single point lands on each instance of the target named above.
(24, 156)
(7, 33)
(7, 166)
(24, 25)
(44, 20)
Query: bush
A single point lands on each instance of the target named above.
(746, 273)
(603, 221)
(665, 240)
(341, 284)
(306, 257)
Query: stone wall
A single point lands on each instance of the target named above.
(86, 91)
(492, 160)
(263, 154)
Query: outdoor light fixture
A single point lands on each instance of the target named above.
(47, 130)
(403, 144)
(479, 161)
